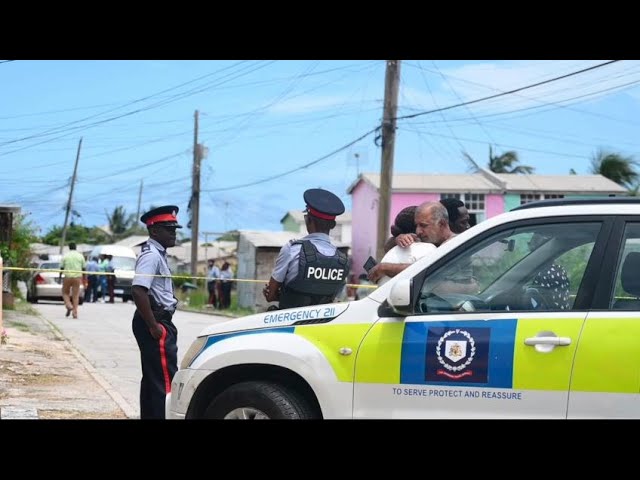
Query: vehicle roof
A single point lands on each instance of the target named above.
(115, 250)
(548, 210)
(579, 201)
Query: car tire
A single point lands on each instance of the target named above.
(258, 400)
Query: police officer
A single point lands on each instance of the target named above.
(312, 270)
(155, 304)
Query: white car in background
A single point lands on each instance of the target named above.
(47, 285)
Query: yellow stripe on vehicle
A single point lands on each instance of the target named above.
(609, 355)
(535, 370)
(380, 357)
(329, 339)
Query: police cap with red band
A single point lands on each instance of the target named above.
(323, 204)
(164, 216)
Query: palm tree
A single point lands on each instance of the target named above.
(615, 167)
(120, 222)
(504, 163)
(507, 163)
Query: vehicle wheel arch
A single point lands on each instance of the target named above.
(222, 379)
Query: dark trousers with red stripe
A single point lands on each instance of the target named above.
(159, 363)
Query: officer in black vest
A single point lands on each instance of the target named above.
(312, 270)
(153, 293)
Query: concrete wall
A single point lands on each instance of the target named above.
(494, 205)
(246, 269)
(265, 261)
(511, 201)
(364, 215)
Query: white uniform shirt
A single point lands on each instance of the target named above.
(410, 254)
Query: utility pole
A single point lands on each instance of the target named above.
(195, 199)
(391, 87)
(139, 202)
(73, 182)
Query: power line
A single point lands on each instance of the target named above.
(558, 105)
(568, 155)
(509, 92)
(72, 130)
(280, 175)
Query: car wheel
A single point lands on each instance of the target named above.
(258, 401)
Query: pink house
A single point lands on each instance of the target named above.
(485, 194)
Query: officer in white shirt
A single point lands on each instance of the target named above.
(153, 294)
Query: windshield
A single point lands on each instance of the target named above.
(124, 263)
(50, 265)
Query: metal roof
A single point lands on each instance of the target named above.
(504, 182)
(298, 217)
(266, 238)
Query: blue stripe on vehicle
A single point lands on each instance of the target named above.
(491, 367)
(213, 339)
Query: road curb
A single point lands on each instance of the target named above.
(126, 408)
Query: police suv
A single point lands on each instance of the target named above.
(530, 314)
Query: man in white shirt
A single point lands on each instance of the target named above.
(432, 226)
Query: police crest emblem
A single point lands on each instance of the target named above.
(457, 354)
(453, 344)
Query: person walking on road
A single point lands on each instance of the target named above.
(73, 264)
(153, 294)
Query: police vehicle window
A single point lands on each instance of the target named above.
(530, 268)
(626, 293)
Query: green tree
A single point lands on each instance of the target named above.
(615, 167)
(504, 163)
(230, 236)
(77, 234)
(507, 163)
(17, 253)
(120, 223)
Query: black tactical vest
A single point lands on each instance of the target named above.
(319, 280)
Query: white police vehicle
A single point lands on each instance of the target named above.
(534, 313)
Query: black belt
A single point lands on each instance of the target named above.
(156, 307)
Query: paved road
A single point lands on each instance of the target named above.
(102, 334)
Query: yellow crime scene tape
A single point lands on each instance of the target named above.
(246, 280)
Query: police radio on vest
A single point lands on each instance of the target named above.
(320, 273)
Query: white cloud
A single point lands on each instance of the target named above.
(473, 81)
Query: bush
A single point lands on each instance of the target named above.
(17, 253)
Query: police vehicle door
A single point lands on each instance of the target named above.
(493, 328)
(606, 371)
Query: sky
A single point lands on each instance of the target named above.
(274, 128)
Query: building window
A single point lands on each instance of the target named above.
(528, 198)
(475, 203)
(534, 197)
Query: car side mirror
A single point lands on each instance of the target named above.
(399, 297)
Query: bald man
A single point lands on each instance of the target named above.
(432, 226)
